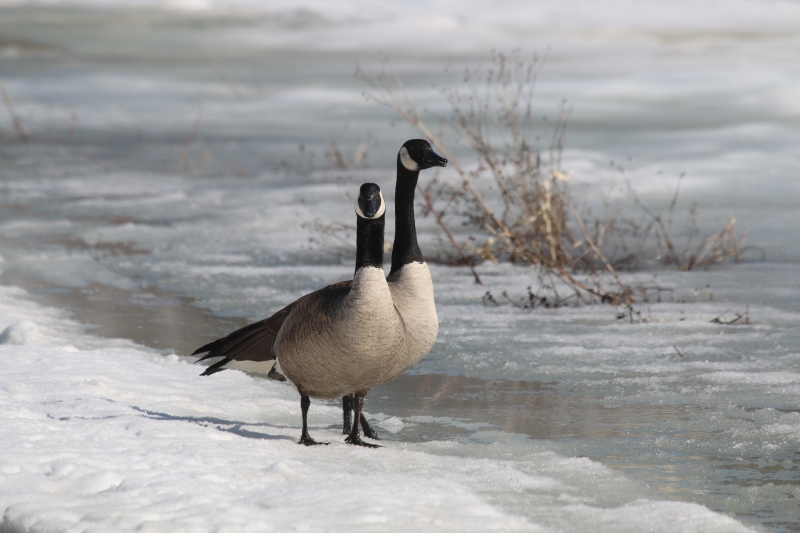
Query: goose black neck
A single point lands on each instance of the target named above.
(369, 242)
(405, 249)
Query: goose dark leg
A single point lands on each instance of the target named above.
(347, 406)
(305, 438)
(368, 431)
(354, 437)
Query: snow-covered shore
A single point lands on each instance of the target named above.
(111, 436)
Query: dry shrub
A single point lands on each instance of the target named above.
(492, 112)
(534, 219)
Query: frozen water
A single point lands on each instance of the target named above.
(127, 239)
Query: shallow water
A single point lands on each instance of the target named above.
(140, 229)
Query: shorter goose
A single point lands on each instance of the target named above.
(337, 340)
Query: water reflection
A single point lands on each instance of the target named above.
(151, 317)
(462, 405)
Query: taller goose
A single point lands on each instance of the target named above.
(409, 279)
(252, 347)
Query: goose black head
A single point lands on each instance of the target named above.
(417, 154)
(370, 204)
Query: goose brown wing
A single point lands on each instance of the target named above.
(255, 342)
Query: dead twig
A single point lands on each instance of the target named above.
(239, 170)
(455, 244)
(232, 85)
(594, 248)
(489, 298)
(23, 137)
(192, 136)
(744, 317)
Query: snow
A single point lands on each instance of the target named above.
(120, 438)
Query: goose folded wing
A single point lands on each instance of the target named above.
(255, 342)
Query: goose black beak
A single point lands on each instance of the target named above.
(369, 206)
(432, 159)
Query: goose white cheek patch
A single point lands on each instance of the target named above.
(379, 214)
(409, 163)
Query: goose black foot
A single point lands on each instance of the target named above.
(305, 440)
(347, 427)
(356, 440)
(368, 431)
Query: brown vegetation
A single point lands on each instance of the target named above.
(516, 196)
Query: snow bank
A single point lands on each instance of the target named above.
(119, 438)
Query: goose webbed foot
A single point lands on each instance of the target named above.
(347, 427)
(368, 431)
(356, 440)
(306, 440)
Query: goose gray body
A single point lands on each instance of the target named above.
(342, 340)
(254, 347)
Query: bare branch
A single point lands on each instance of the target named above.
(23, 137)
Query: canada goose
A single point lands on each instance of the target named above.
(335, 341)
(409, 279)
(340, 341)
(252, 347)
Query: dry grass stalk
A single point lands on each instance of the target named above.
(227, 80)
(189, 141)
(427, 197)
(730, 318)
(712, 249)
(332, 235)
(23, 136)
(338, 159)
